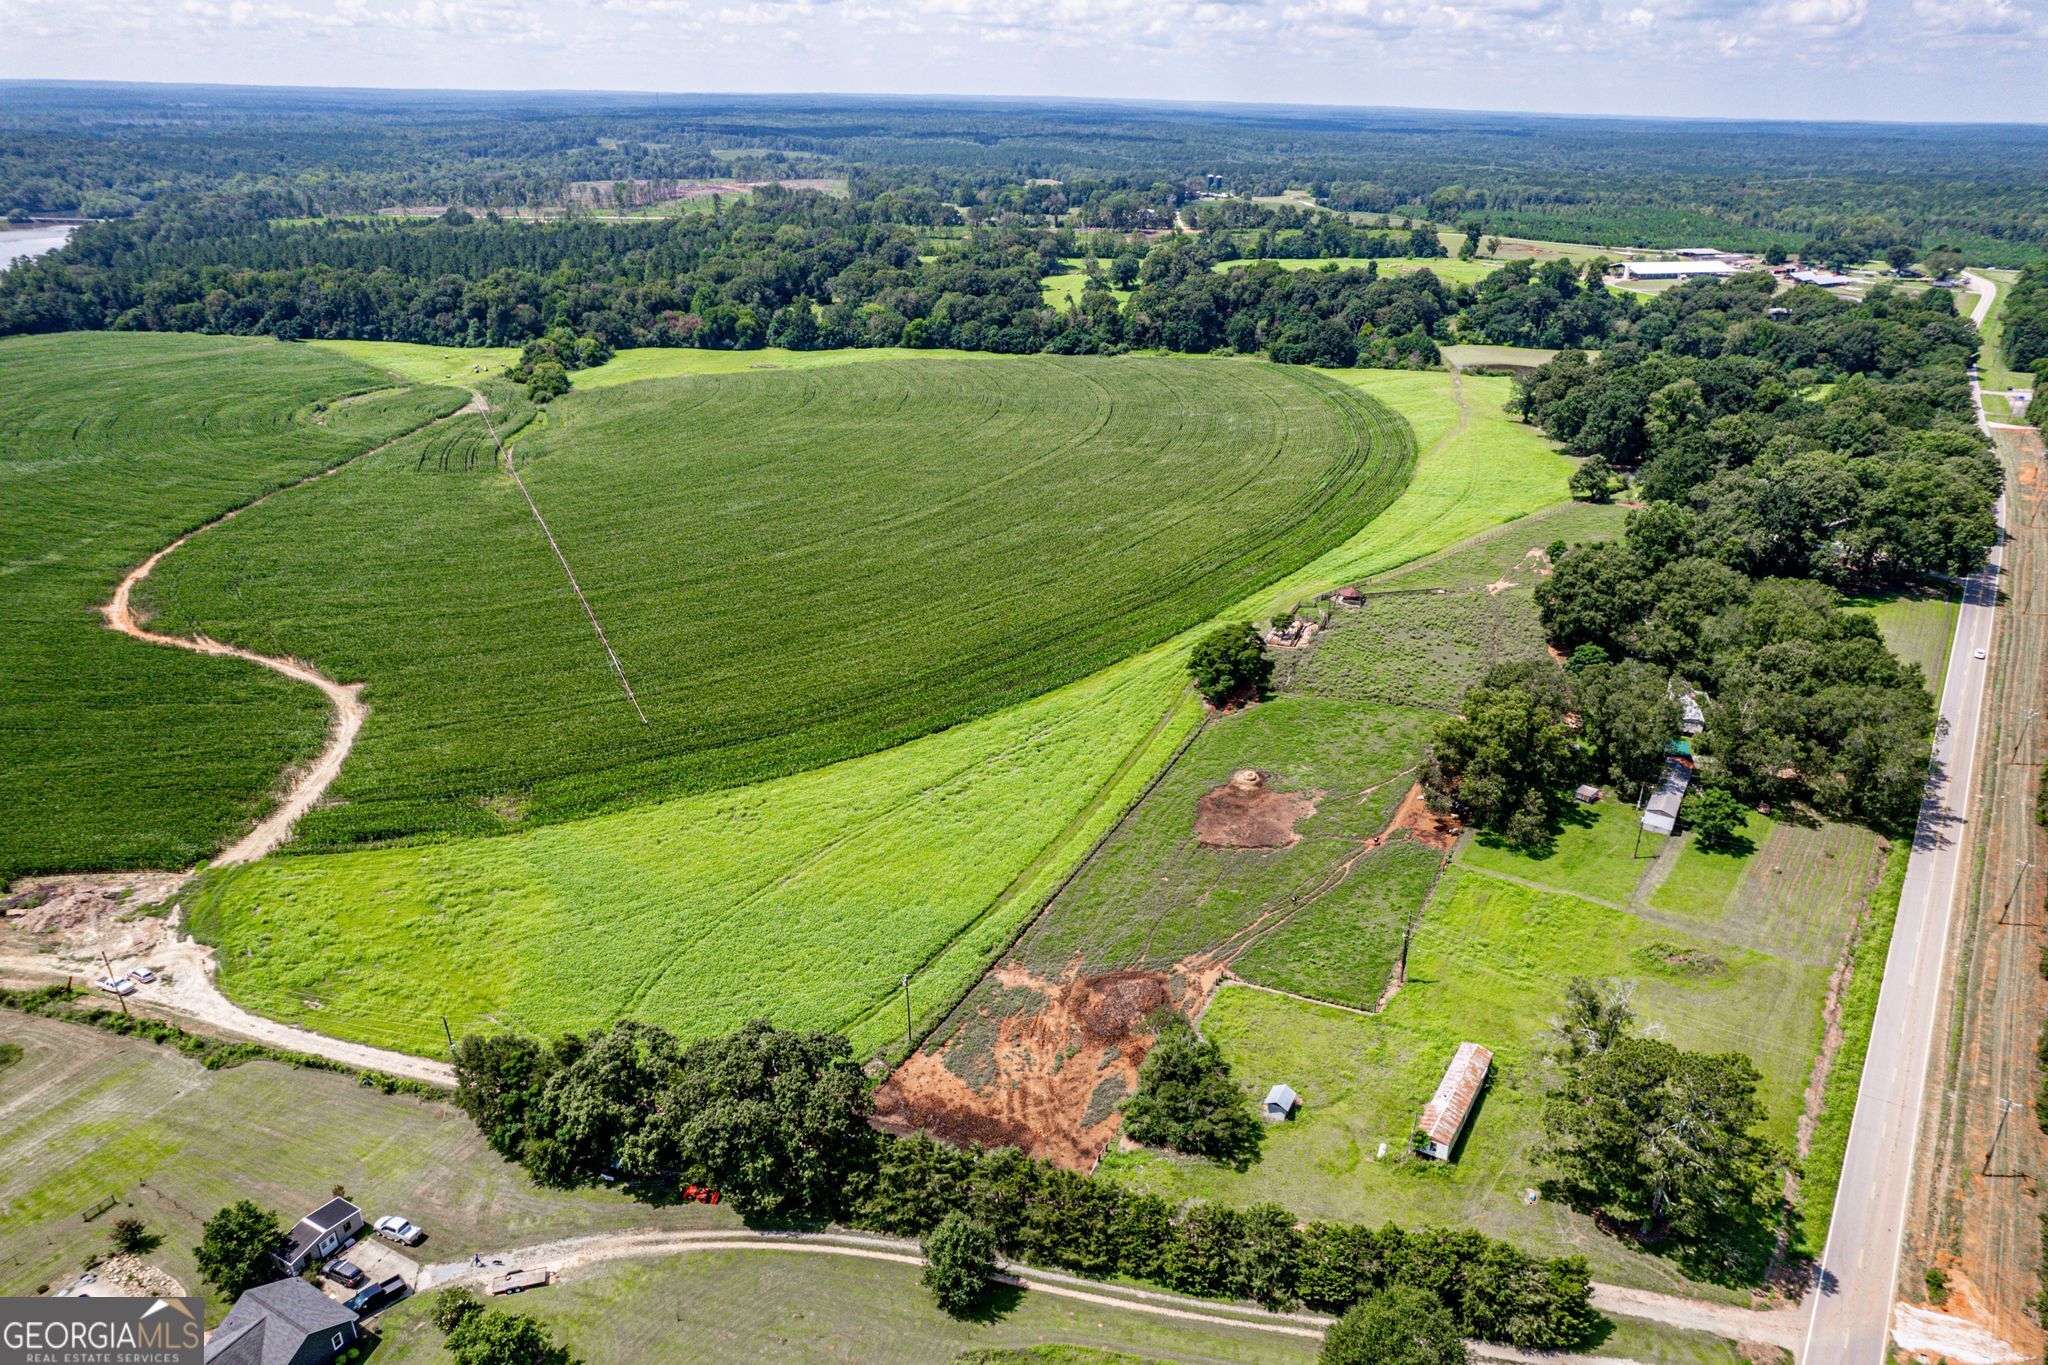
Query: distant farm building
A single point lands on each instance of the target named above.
(1673, 270)
(1445, 1116)
(1699, 253)
(1660, 814)
(1586, 792)
(1350, 597)
(1281, 1102)
(1692, 718)
(1826, 279)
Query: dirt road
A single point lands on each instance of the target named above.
(307, 787)
(572, 1254)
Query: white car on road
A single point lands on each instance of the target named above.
(392, 1228)
(115, 985)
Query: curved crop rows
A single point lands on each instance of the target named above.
(794, 567)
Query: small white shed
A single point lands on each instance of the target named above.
(1280, 1104)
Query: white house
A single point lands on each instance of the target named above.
(1660, 815)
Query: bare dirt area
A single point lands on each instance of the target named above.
(1246, 812)
(78, 928)
(125, 1277)
(1048, 1079)
(1414, 817)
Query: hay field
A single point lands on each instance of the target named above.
(114, 752)
(920, 859)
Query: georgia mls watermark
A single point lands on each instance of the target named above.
(93, 1331)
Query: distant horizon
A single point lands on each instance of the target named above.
(1862, 61)
(942, 97)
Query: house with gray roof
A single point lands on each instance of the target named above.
(285, 1322)
(320, 1234)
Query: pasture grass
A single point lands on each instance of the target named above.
(1991, 365)
(117, 753)
(416, 364)
(1488, 963)
(951, 840)
(1068, 284)
(1478, 469)
(1469, 357)
(787, 1304)
(1918, 624)
(1419, 649)
(793, 568)
(1154, 894)
(87, 1114)
(636, 363)
(1342, 947)
(1593, 854)
(804, 899)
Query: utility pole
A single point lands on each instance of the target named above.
(2005, 1107)
(906, 1016)
(2018, 876)
(449, 1032)
(2020, 737)
(119, 998)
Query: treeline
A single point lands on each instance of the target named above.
(799, 270)
(777, 1122)
(2025, 320)
(1783, 448)
(123, 149)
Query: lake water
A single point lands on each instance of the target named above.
(18, 244)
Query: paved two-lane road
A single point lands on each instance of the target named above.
(1860, 1268)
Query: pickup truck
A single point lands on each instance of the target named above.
(392, 1228)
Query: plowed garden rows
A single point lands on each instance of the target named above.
(794, 567)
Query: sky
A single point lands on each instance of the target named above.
(1975, 60)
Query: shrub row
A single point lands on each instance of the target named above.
(1047, 1216)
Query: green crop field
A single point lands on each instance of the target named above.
(786, 1304)
(924, 858)
(458, 365)
(1342, 947)
(1487, 964)
(86, 1115)
(116, 753)
(634, 364)
(794, 569)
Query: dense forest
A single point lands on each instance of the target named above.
(121, 150)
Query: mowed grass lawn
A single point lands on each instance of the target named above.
(116, 753)
(1729, 952)
(795, 568)
(790, 1305)
(1487, 964)
(85, 1115)
(1919, 626)
(808, 897)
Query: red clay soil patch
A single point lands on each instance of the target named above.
(1414, 815)
(1245, 813)
(1054, 1070)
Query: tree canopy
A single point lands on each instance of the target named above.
(1187, 1101)
(237, 1248)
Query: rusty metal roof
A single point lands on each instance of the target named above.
(1445, 1114)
